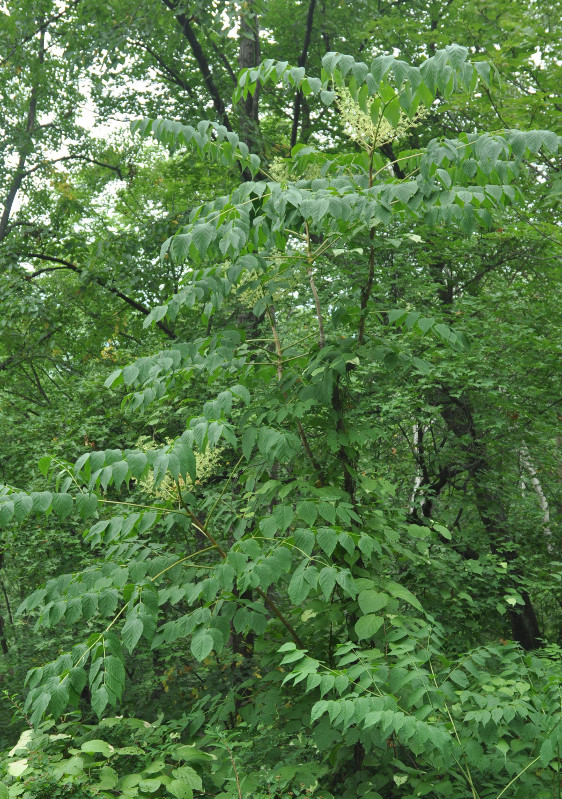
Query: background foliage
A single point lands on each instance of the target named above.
(279, 381)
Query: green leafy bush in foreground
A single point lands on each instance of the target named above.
(283, 592)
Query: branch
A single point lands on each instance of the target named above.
(86, 158)
(202, 62)
(528, 464)
(515, 255)
(321, 337)
(6, 362)
(21, 396)
(249, 56)
(300, 63)
(325, 35)
(138, 306)
(38, 383)
(386, 149)
(224, 60)
(23, 150)
(41, 29)
(367, 288)
(11, 358)
(279, 351)
(174, 75)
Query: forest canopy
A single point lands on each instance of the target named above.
(280, 472)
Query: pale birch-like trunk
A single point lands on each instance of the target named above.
(528, 465)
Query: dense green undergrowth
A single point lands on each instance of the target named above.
(305, 550)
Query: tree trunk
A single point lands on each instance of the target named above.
(248, 57)
(458, 416)
(24, 149)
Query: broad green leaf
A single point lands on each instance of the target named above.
(62, 505)
(201, 644)
(249, 438)
(17, 767)
(327, 539)
(367, 626)
(40, 705)
(119, 473)
(22, 507)
(307, 511)
(371, 601)
(283, 515)
(108, 778)
(191, 754)
(189, 776)
(318, 710)
(293, 656)
(392, 113)
(150, 786)
(547, 751)
(86, 505)
(398, 591)
(327, 581)
(304, 540)
(299, 587)
(287, 647)
(328, 511)
(137, 463)
(45, 464)
(114, 379)
(6, 512)
(180, 789)
(132, 631)
(97, 747)
(59, 698)
(100, 699)
(442, 531)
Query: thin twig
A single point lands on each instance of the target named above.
(234, 767)
(269, 602)
(279, 352)
(321, 337)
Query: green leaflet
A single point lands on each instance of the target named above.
(368, 626)
(281, 459)
(211, 140)
(201, 644)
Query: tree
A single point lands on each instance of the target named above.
(319, 531)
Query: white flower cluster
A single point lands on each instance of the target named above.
(360, 127)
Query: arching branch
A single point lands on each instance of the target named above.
(64, 264)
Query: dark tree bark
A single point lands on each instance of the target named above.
(24, 150)
(3, 639)
(458, 416)
(249, 56)
(185, 24)
(301, 63)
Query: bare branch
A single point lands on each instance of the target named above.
(171, 72)
(138, 306)
(301, 62)
(85, 158)
(185, 24)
